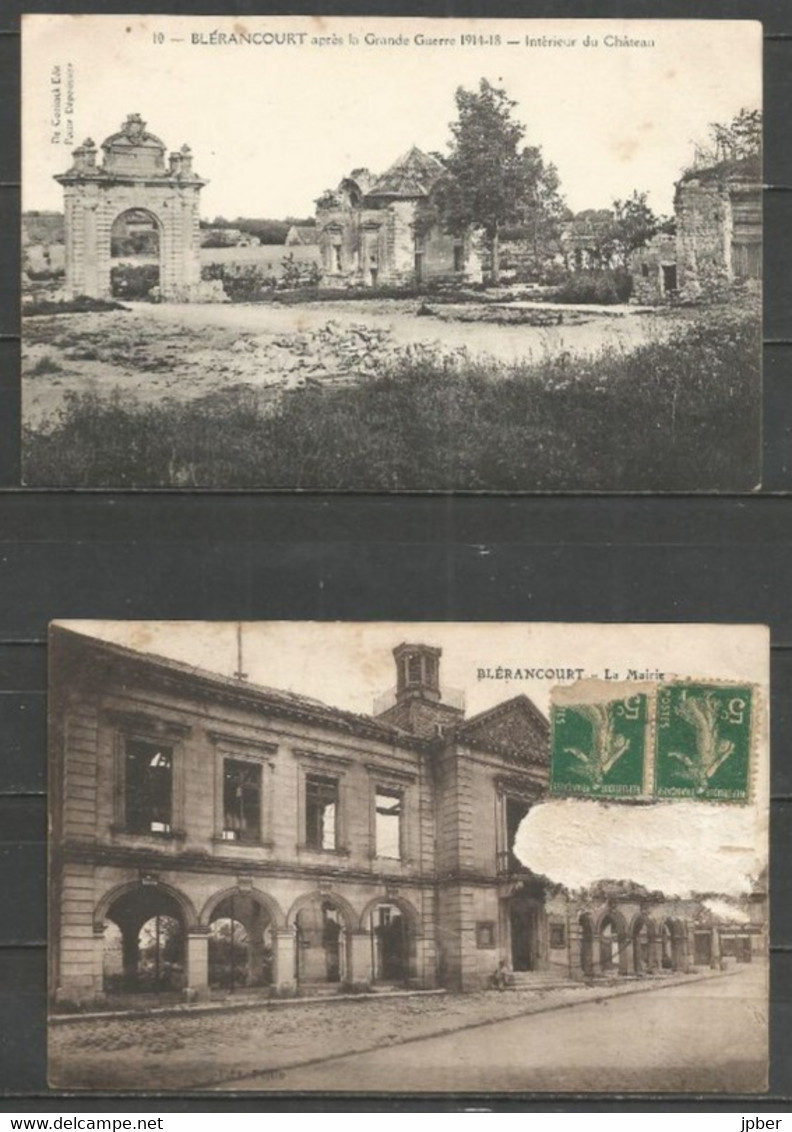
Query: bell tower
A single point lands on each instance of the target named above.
(418, 706)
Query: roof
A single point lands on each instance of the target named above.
(270, 700)
(303, 233)
(412, 175)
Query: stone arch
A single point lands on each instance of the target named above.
(324, 924)
(613, 940)
(350, 915)
(112, 896)
(143, 930)
(116, 211)
(672, 944)
(643, 936)
(133, 175)
(409, 910)
(268, 903)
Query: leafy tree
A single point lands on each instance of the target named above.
(632, 225)
(544, 207)
(740, 138)
(487, 182)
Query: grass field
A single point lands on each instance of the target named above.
(681, 414)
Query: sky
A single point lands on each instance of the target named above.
(272, 126)
(677, 847)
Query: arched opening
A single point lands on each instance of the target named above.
(586, 945)
(642, 940)
(609, 947)
(390, 935)
(144, 943)
(321, 942)
(135, 254)
(240, 943)
(671, 946)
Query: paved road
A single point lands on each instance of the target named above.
(710, 1036)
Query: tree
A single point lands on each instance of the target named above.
(544, 208)
(487, 182)
(632, 225)
(740, 138)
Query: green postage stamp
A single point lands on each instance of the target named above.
(703, 742)
(662, 740)
(599, 748)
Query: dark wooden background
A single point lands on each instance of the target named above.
(259, 556)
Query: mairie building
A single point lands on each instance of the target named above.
(209, 835)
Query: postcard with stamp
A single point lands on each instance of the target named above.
(391, 254)
(384, 857)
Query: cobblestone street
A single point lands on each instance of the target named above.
(217, 1048)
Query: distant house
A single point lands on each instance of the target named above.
(375, 230)
(581, 238)
(302, 235)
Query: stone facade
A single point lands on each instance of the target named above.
(654, 271)
(378, 231)
(719, 228)
(207, 833)
(132, 177)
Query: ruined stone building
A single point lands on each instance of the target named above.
(718, 241)
(209, 834)
(132, 187)
(376, 231)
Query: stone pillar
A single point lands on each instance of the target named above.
(197, 974)
(98, 959)
(360, 958)
(626, 955)
(715, 956)
(284, 945)
(425, 964)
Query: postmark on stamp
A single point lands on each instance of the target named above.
(703, 744)
(599, 748)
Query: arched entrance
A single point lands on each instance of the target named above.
(321, 942)
(613, 941)
(642, 946)
(390, 935)
(144, 943)
(108, 205)
(241, 945)
(672, 946)
(135, 250)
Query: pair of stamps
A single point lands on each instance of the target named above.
(676, 740)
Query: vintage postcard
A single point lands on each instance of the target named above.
(295, 856)
(391, 254)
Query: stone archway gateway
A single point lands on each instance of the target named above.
(132, 179)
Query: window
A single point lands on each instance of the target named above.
(485, 934)
(148, 797)
(414, 674)
(459, 257)
(321, 811)
(557, 935)
(241, 800)
(387, 823)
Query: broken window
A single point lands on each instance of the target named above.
(321, 811)
(149, 787)
(241, 800)
(387, 822)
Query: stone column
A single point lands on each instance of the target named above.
(197, 974)
(360, 959)
(715, 956)
(284, 945)
(98, 959)
(425, 964)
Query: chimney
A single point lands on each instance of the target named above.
(417, 673)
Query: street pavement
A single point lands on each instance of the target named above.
(707, 1036)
